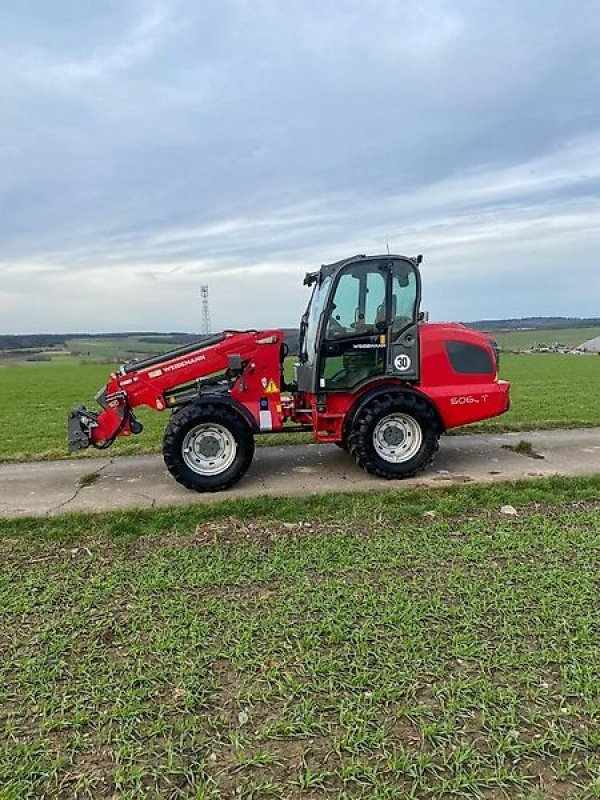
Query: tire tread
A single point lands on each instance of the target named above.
(360, 437)
(184, 419)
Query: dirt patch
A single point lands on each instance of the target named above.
(451, 478)
(228, 530)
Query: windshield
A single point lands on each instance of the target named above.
(312, 318)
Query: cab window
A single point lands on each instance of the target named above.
(358, 304)
(404, 297)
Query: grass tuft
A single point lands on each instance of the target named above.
(523, 448)
(89, 479)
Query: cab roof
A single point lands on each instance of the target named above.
(332, 269)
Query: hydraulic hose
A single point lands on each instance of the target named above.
(109, 442)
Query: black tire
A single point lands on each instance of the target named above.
(184, 422)
(361, 438)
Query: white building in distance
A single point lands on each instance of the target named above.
(591, 346)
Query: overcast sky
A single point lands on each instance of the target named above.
(150, 146)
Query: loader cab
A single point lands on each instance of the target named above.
(360, 324)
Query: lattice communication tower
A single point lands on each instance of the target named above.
(206, 329)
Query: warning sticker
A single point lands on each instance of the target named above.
(271, 387)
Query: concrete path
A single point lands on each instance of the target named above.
(53, 487)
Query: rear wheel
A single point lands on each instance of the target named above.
(208, 448)
(395, 436)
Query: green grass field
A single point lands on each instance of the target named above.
(517, 340)
(341, 646)
(549, 391)
(100, 348)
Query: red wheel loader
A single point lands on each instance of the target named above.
(371, 376)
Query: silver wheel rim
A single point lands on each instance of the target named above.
(209, 449)
(397, 438)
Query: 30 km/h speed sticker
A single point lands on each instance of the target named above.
(402, 362)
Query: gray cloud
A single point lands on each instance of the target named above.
(147, 147)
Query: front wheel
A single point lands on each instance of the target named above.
(207, 448)
(395, 436)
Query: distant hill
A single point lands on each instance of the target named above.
(534, 323)
(47, 340)
(155, 341)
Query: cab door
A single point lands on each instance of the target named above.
(403, 329)
(370, 326)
